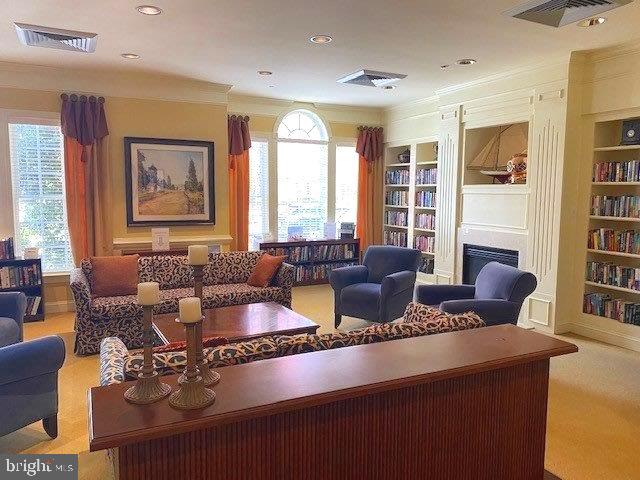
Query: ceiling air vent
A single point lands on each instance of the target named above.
(37, 36)
(557, 13)
(371, 78)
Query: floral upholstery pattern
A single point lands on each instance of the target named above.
(417, 312)
(101, 317)
(277, 346)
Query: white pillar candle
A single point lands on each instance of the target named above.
(190, 311)
(148, 293)
(198, 254)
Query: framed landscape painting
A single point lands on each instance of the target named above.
(169, 182)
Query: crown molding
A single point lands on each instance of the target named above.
(110, 83)
(274, 107)
(614, 51)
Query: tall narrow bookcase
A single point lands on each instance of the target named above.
(612, 273)
(410, 194)
(18, 275)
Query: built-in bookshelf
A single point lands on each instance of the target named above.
(410, 194)
(313, 260)
(612, 270)
(24, 275)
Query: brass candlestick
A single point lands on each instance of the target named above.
(148, 388)
(209, 377)
(192, 393)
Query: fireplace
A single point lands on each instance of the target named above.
(474, 257)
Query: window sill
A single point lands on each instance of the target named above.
(57, 277)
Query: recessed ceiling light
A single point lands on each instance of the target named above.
(444, 67)
(264, 72)
(389, 87)
(466, 61)
(130, 56)
(149, 10)
(592, 22)
(272, 86)
(321, 39)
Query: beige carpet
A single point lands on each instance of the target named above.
(594, 404)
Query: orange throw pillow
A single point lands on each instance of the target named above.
(265, 270)
(114, 276)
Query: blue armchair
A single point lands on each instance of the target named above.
(497, 296)
(28, 371)
(380, 289)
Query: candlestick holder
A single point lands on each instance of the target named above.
(148, 388)
(192, 393)
(209, 377)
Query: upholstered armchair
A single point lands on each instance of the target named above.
(28, 371)
(497, 296)
(380, 289)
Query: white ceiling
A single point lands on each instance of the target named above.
(227, 41)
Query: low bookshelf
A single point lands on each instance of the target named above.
(25, 275)
(313, 260)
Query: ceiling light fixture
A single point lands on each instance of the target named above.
(321, 39)
(389, 87)
(264, 72)
(592, 22)
(149, 10)
(130, 56)
(444, 67)
(466, 61)
(272, 86)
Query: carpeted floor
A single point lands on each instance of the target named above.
(594, 403)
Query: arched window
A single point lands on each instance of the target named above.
(302, 125)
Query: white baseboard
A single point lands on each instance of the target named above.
(59, 307)
(614, 338)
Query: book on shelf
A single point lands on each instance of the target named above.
(399, 198)
(20, 276)
(616, 206)
(315, 253)
(426, 265)
(316, 273)
(426, 198)
(398, 239)
(607, 239)
(426, 221)
(617, 171)
(427, 176)
(605, 305)
(425, 243)
(607, 273)
(397, 177)
(33, 304)
(7, 251)
(399, 219)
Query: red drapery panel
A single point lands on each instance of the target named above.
(369, 216)
(239, 144)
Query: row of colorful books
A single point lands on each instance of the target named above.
(626, 241)
(312, 273)
(33, 304)
(425, 243)
(397, 177)
(615, 275)
(426, 220)
(616, 206)
(399, 239)
(398, 198)
(604, 305)
(426, 198)
(427, 176)
(315, 252)
(393, 217)
(426, 264)
(617, 171)
(7, 249)
(20, 276)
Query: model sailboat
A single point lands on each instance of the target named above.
(493, 159)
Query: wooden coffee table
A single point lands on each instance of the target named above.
(238, 323)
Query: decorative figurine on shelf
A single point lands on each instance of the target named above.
(198, 258)
(405, 157)
(148, 388)
(517, 167)
(192, 392)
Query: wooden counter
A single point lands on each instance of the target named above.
(443, 405)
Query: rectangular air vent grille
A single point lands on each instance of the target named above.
(371, 78)
(47, 37)
(557, 13)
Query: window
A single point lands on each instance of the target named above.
(302, 125)
(258, 193)
(346, 184)
(39, 206)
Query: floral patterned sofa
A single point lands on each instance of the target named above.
(118, 364)
(225, 284)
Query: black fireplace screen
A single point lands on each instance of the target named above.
(476, 256)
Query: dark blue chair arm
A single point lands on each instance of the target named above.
(397, 282)
(345, 276)
(493, 312)
(436, 294)
(13, 305)
(31, 359)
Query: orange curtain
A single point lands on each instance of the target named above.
(87, 176)
(239, 144)
(369, 212)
